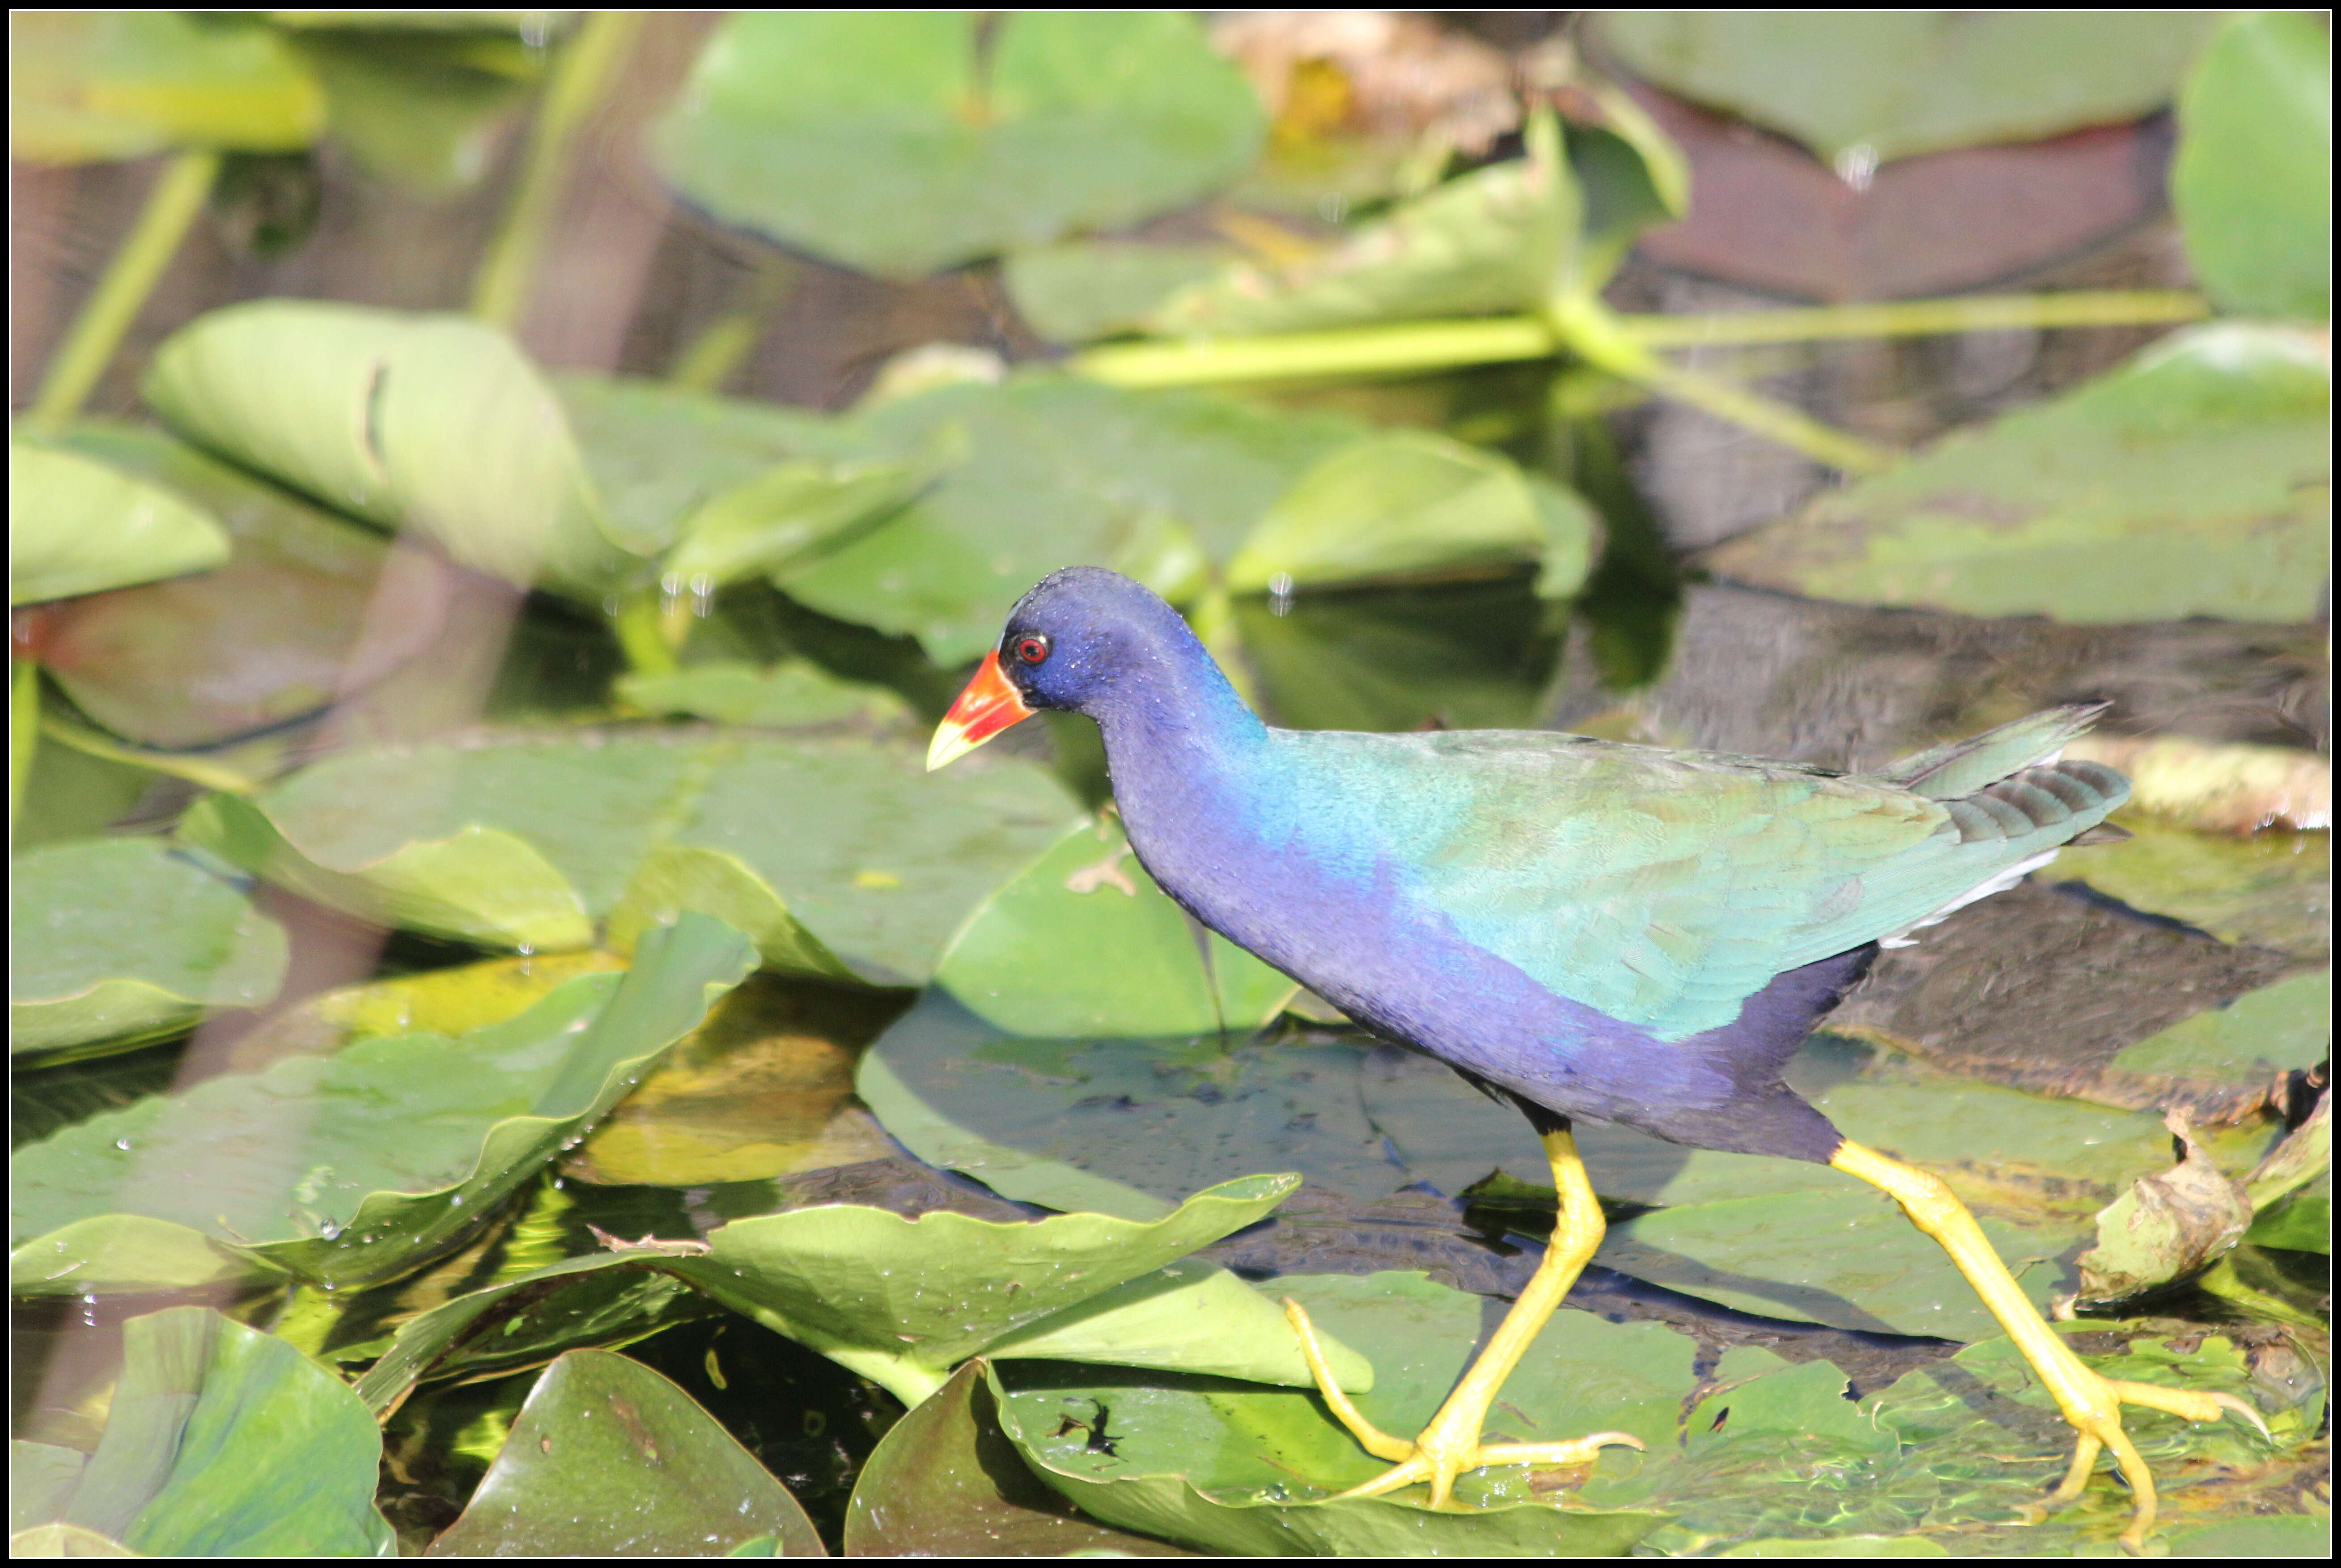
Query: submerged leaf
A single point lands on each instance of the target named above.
(2193, 481)
(76, 526)
(607, 1458)
(901, 143)
(223, 1442)
(357, 1166)
(114, 942)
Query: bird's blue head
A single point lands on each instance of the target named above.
(1086, 640)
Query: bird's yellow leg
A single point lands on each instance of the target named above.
(1450, 1445)
(2092, 1404)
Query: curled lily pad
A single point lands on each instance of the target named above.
(2169, 1226)
(427, 421)
(2252, 180)
(114, 942)
(904, 1301)
(842, 856)
(945, 1482)
(1897, 83)
(85, 85)
(902, 143)
(1247, 1471)
(1491, 241)
(2191, 480)
(607, 1458)
(356, 1166)
(223, 1442)
(77, 526)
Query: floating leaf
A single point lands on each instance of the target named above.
(89, 85)
(1409, 502)
(944, 1481)
(1086, 289)
(845, 857)
(114, 942)
(1246, 1470)
(450, 1001)
(784, 515)
(1895, 82)
(786, 695)
(356, 1166)
(428, 421)
(607, 1459)
(2193, 481)
(2252, 1040)
(904, 1301)
(1492, 242)
(2252, 180)
(2170, 1226)
(223, 1442)
(658, 453)
(2270, 890)
(309, 608)
(899, 143)
(423, 108)
(77, 526)
(1064, 472)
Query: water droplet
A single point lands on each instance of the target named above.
(121, 1144)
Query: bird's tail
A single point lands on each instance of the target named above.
(1959, 769)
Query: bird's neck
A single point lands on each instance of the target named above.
(1179, 744)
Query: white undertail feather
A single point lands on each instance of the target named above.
(1999, 883)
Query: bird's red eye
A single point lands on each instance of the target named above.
(1031, 650)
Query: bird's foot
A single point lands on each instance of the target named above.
(2092, 1405)
(1450, 1445)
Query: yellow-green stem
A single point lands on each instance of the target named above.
(707, 362)
(640, 625)
(1407, 349)
(195, 770)
(1920, 318)
(586, 63)
(177, 195)
(24, 733)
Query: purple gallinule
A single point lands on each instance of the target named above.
(1588, 929)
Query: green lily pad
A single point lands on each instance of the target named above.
(278, 632)
(1086, 289)
(89, 85)
(607, 1458)
(2252, 180)
(1489, 243)
(353, 1167)
(223, 1442)
(450, 1001)
(658, 453)
(1898, 82)
(114, 942)
(77, 526)
(2269, 890)
(1246, 1470)
(1409, 503)
(423, 108)
(1062, 472)
(904, 1301)
(2191, 480)
(945, 1482)
(2277, 1028)
(843, 857)
(1466, 655)
(787, 695)
(902, 143)
(2299, 1535)
(70, 794)
(787, 514)
(427, 421)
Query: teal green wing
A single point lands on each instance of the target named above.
(1665, 888)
